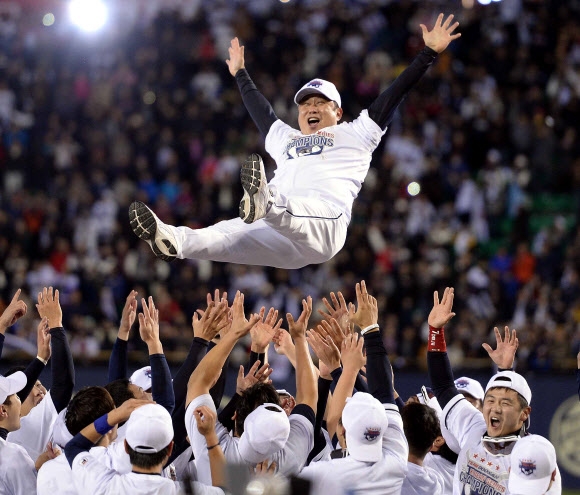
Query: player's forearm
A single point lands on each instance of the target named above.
(379, 371)
(196, 353)
(32, 372)
(161, 386)
(118, 360)
(62, 369)
(343, 390)
(383, 108)
(441, 377)
(306, 378)
(258, 107)
(204, 375)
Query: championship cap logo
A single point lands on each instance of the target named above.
(371, 434)
(315, 84)
(527, 467)
(461, 383)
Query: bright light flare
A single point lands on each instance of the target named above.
(88, 15)
(413, 189)
(48, 19)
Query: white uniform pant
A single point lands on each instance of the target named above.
(296, 232)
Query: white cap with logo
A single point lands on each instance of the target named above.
(470, 386)
(533, 460)
(149, 429)
(365, 421)
(142, 378)
(513, 380)
(321, 87)
(266, 430)
(9, 385)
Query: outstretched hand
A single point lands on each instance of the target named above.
(298, 328)
(236, 60)
(338, 310)
(505, 350)
(441, 35)
(128, 315)
(14, 311)
(441, 313)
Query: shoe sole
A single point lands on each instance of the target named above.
(144, 225)
(251, 177)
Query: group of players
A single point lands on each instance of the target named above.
(346, 430)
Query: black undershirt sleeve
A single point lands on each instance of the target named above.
(383, 108)
(258, 107)
(62, 369)
(441, 376)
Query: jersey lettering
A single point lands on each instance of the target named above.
(477, 481)
(308, 145)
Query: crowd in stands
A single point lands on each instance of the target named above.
(150, 112)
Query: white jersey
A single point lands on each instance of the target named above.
(444, 467)
(185, 468)
(478, 472)
(17, 472)
(330, 164)
(92, 477)
(347, 475)
(290, 460)
(36, 428)
(422, 480)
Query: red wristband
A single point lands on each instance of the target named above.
(436, 340)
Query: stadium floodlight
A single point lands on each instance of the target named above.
(484, 2)
(88, 15)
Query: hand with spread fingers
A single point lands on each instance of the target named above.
(367, 310)
(504, 353)
(331, 329)
(263, 331)
(325, 348)
(352, 353)
(338, 311)
(149, 326)
(49, 306)
(240, 325)
(442, 312)
(255, 374)
(207, 324)
(298, 327)
(265, 468)
(442, 33)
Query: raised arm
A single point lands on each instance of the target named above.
(438, 365)
(206, 373)
(436, 40)
(13, 312)
(118, 358)
(306, 378)
(258, 107)
(161, 387)
(61, 366)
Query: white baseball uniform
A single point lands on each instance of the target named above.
(422, 480)
(17, 472)
(36, 428)
(317, 179)
(290, 460)
(92, 477)
(444, 467)
(478, 472)
(384, 477)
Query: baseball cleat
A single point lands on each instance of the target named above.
(148, 227)
(254, 203)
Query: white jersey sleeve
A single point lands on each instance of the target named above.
(394, 441)
(17, 472)
(36, 428)
(463, 421)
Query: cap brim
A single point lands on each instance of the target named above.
(519, 486)
(367, 453)
(248, 453)
(303, 93)
(17, 381)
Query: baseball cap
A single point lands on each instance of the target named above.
(513, 380)
(365, 421)
(142, 378)
(470, 386)
(9, 385)
(533, 461)
(149, 429)
(266, 430)
(319, 86)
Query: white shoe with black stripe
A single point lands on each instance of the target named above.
(255, 202)
(148, 227)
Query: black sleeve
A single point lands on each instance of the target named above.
(306, 411)
(2, 337)
(32, 372)
(75, 446)
(400, 403)
(196, 352)
(379, 372)
(161, 386)
(319, 439)
(336, 374)
(62, 369)
(227, 413)
(254, 356)
(361, 384)
(441, 376)
(383, 108)
(258, 107)
(118, 360)
(179, 432)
